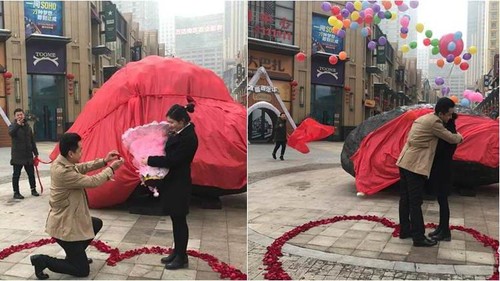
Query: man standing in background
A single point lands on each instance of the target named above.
(22, 152)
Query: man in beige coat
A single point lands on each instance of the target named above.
(69, 220)
(415, 163)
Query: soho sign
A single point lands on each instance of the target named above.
(41, 56)
(328, 71)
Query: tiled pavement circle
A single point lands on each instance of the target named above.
(279, 202)
(221, 233)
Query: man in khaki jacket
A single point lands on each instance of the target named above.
(415, 163)
(69, 220)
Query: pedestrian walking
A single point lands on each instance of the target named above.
(415, 163)
(280, 136)
(23, 151)
(69, 220)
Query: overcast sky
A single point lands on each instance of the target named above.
(191, 7)
(443, 17)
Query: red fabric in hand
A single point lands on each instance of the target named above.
(141, 93)
(375, 160)
(309, 130)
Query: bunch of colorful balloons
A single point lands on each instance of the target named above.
(471, 97)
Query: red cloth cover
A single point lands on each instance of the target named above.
(309, 130)
(141, 93)
(375, 160)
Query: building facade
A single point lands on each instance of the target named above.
(57, 56)
(200, 40)
(146, 13)
(476, 31)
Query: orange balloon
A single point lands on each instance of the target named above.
(404, 35)
(342, 55)
(347, 23)
(387, 4)
(457, 60)
(335, 30)
(454, 99)
(440, 63)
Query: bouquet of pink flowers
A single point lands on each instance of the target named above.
(142, 142)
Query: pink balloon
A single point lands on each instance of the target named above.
(467, 94)
(443, 45)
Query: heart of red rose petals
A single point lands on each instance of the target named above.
(275, 271)
(226, 271)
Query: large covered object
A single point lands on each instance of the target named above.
(141, 93)
(371, 150)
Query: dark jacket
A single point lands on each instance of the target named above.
(23, 144)
(280, 130)
(440, 180)
(175, 190)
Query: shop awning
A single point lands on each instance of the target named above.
(48, 38)
(5, 34)
(272, 47)
(101, 50)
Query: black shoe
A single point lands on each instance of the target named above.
(274, 156)
(34, 193)
(435, 232)
(281, 158)
(39, 264)
(168, 259)
(404, 235)
(178, 263)
(18, 196)
(89, 260)
(442, 236)
(424, 243)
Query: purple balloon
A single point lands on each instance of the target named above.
(439, 81)
(403, 7)
(445, 91)
(341, 33)
(450, 58)
(381, 14)
(382, 40)
(467, 56)
(404, 30)
(349, 6)
(345, 13)
(362, 14)
(376, 8)
(372, 45)
(326, 6)
(414, 4)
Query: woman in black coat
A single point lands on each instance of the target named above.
(175, 190)
(280, 136)
(440, 182)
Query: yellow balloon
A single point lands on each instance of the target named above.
(405, 48)
(472, 50)
(338, 24)
(358, 5)
(420, 27)
(332, 20)
(394, 15)
(355, 15)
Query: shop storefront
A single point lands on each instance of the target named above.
(46, 68)
(327, 80)
(271, 38)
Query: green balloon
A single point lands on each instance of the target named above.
(435, 42)
(435, 50)
(413, 45)
(388, 15)
(376, 19)
(428, 33)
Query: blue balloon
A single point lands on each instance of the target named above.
(365, 4)
(452, 46)
(364, 32)
(354, 25)
(465, 102)
(457, 35)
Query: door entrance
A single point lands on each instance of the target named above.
(261, 125)
(45, 98)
